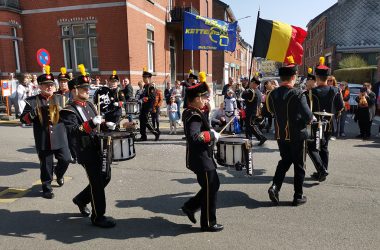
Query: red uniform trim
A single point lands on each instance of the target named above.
(27, 119)
(120, 104)
(87, 127)
(207, 136)
(80, 103)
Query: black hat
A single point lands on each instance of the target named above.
(81, 81)
(63, 76)
(255, 80)
(114, 77)
(47, 77)
(310, 76)
(146, 73)
(191, 75)
(197, 90)
(322, 69)
(290, 69)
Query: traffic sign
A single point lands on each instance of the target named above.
(43, 57)
(6, 90)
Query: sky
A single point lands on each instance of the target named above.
(293, 12)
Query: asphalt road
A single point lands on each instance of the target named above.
(145, 195)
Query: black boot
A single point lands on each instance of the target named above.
(273, 194)
(213, 228)
(104, 222)
(299, 200)
(82, 208)
(190, 214)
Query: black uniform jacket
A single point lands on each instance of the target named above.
(68, 96)
(252, 99)
(148, 98)
(48, 135)
(77, 118)
(199, 154)
(326, 98)
(291, 111)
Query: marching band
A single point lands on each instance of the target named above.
(71, 128)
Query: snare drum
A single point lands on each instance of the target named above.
(123, 146)
(235, 152)
(132, 107)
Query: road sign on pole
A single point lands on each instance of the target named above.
(43, 57)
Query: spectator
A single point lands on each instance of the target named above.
(22, 94)
(343, 116)
(139, 91)
(230, 109)
(168, 92)
(128, 94)
(156, 109)
(218, 117)
(365, 112)
(331, 81)
(238, 92)
(227, 86)
(173, 115)
(377, 92)
(13, 83)
(177, 93)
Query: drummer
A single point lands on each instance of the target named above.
(81, 119)
(199, 157)
(289, 107)
(328, 99)
(117, 99)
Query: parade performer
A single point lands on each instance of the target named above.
(252, 99)
(49, 132)
(117, 99)
(148, 98)
(81, 119)
(230, 109)
(292, 114)
(63, 79)
(191, 81)
(329, 99)
(199, 157)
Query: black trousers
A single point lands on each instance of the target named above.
(252, 128)
(47, 168)
(320, 158)
(145, 123)
(98, 179)
(206, 198)
(156, 119)
(291, 153)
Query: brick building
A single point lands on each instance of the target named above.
(230, 64)
(348, 27)
(104, 35)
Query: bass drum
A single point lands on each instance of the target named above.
(104, 96)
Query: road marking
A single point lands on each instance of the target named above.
(9, 195)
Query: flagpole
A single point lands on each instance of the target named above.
(253, 44)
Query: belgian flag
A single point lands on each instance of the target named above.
(276, 41)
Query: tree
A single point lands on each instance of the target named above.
(352, 61)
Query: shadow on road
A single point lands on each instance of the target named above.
(29, 150)
(12, 168)
(69, 228)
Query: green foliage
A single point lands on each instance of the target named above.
(352, 61)
(356, 75)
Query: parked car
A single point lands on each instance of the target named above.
(354, 92)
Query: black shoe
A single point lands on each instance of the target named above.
(315, 176)
(262, 141)
(299, 201)
(104, 222)
(142, 139)
(157, 136)
(322, 176)
(60, 181)
(213, 228)
(82, 208)
(48, 195)
(273, 195)
(189, 213)
(359, 136)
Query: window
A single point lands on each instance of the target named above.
(15, 49)
(80, 46)
(150, 47)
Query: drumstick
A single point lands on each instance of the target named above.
(98, 127)
(221, 131)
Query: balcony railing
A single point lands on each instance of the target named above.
(176, 13)
(14, 4)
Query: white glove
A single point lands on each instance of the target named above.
(216, 134)
(111, 125)
(314, 118)
(116, 104)
(97, 120)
